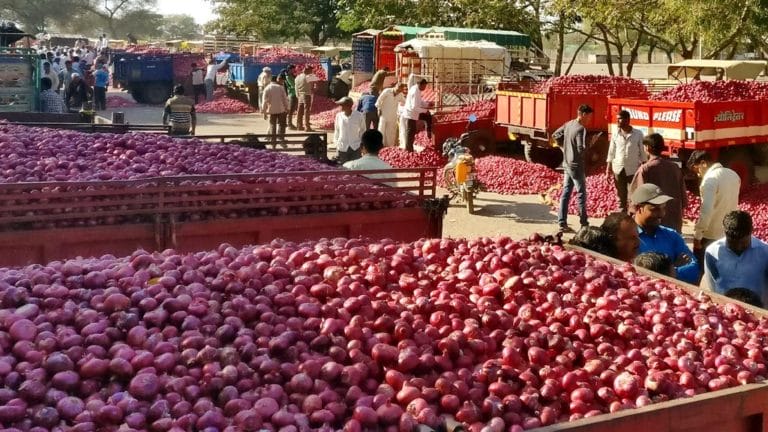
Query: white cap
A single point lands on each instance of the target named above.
(267, 69)
(75, 75)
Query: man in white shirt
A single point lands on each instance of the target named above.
(416, 109)
(370, 144)
(198, 81)
(210, 77)
(265, 77)
(50, 74)
(625, 155)
(388, 103)
(347, 131)
(719, 191)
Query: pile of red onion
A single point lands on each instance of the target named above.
(400, 158)
(512, 176)
(502, 335)
(278, 55)
(38, 154)
(224, 105)
(605, 85)
(483, 110)
(323, 113)
(714, 91)
(119, 102)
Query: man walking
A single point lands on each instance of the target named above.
(625, 154)
(416, 109)
(573, 136)
(740, 260)
(665, 174)
(388, 103)
(305, 84)
(348, 130)
(275, 104)
(719, 191)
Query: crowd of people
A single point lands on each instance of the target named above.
(647, 229)
(395, 110)
(71, 78)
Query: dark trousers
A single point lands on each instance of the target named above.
(198, 90)
(277, 128)
(305, 106)
(348, 155)
(372, 120)
(99, 98)
(410, 134)
(623, 180)
(293, 102)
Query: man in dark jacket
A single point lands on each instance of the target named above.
(573, 136)
(78, 92)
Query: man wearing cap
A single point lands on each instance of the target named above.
(275, 104)
(573, 136)
(265, 77)
(416, 109)
(625, 154)
(665, 174)
(719, 191)
(388, 103)
(650, 203)
(348, 129)
(305, 84)
(180, 113)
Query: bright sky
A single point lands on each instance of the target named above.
(201, 10)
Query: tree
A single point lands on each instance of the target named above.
(180, 27)
(113, 12)
(37, 16)
(284, 19)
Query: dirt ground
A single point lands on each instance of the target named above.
(516, 216)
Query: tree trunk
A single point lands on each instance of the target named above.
(576, 53)
(560, 44)
(651, 49)
(608, 52)
(633, 54)
(732, 51)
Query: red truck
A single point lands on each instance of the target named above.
(735, 132)
(532, 118)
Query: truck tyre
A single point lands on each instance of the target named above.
(740, 160)
(156, 93)
(551, 157)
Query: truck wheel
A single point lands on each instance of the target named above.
(138, 96)
(551, 157)
(156, 93)
(741, 161)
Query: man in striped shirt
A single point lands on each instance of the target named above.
(180, 112)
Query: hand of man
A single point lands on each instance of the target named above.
(608, 171)
(696, 245)
(682, 259)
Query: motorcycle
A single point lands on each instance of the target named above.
(459, 173)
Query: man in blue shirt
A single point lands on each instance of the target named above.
(367, 106)
(650, 203)
(100, 88)
(739, 260)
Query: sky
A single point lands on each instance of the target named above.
(201, 10)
